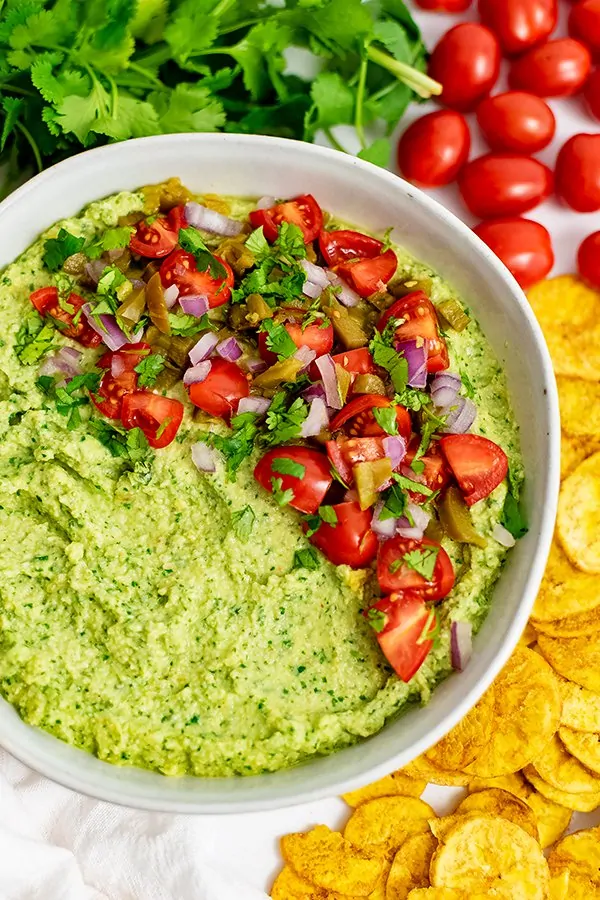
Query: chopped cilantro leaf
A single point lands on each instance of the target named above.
(323, 514)
(286, 466)
(385, 416)
(279, 289)
(512, 517)
(187, 326)
(283, 422)
(422, 561)
(328, 514)
(258, 245)
(394, 505)
(418, 466)
(377, 619)
(58, 249)
(281, 497)
(413, 398)
(236, 446)
(69, 399)
(386, 357)
(410, 485)
(34, 338)
(130, 445)
(313, 315)
(242, 521)
(467, 384)
(110, 279)
(112, 239)
(278, 339)
(149, 369)
(306, 559)
(290, 242)
(191, 240)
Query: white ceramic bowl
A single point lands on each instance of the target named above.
(374, 199)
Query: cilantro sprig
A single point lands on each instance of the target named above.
(58, 249)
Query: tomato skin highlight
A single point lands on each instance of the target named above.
(436, 474)
(46, 301)
(519, 24)
(310, 489)
(584, 23)
(588, 260)
(516, 122)
(180, 268)
(578, 172)
(350, 542)
(222, 389)
(405, 578)
(150, 412)
(591, 93)
(367, 276)
(401, 639)
(554, 69)
(313, 336)
(524, 246)
(340, 246)
(421, 321)
(467, 62)
(433, 150)
(447, 6)
(478, 464)
(303, 211)
(357, 420)
(504, 184)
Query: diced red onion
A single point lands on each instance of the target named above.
(316, 420)
(258, 405)
(315, 274)
(204, 457)
(194, 305)
(115, 254)
(199, 216)
(311, 290)
(420, 519)
(229, 349)
(416, 357)
(461, 644)
(351, 496)
(254, 365)
(94, 270)
(383, 528)
(395, 449)
(446, 379)
(117, 365)
(71, 355)
(444, 397)
(196, 374)
(345, 295)
(305, 355)
(503, 536)
(265, 202)
(108, 330)
(313, 391)
(326, 367)
(55, 365)
(461, 417)
(203, 348)
(171, 294)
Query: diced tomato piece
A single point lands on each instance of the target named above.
(349, 541)
(222, 389)
(309, 489)
(343, 246)
(160, 237)
(418, 319)
(345, 453)
(312, 336)
(74, 324)
(303, 211)
(435, 475)
(394, 573)
(158, 417)
(120, 379)
(357, 419)
(358, 362)
(479, 465)
(405, 632)
(180, 268)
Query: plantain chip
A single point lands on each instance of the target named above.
(379, 892)
(559, 885)
(577, 659)
(492, 857)
(463, 744)
(584, 747)
(528, 637)
(581, 708)
(569, 315)
(410, 868)
(578, 802)
(578, 521)
(573, 450)
(573, 626)
(396, 783)
(380, 826)
(552, 819)
(579, 406)
(526, 715)
(580, 854)
(565, 591)
(433, 893)
(422, 767)
(514, 783)
(289, 886)
(325, 858)
(558, 768)
(495, 802)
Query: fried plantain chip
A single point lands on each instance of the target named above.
(580, 854)
(495, 802)
(526, 715)
(578, 521)
(463, 744)
(432, 893)
(579, 406)
(410, 868)
(493, 857)
(584, 747)
(581, 708)
(528, 637)
(514, 783)
(325, 858)
(573, 626)
(552, 819)
(289, 886)
(558, 768)
(421, 767)
(396, 783)
(380, 826)
(573, 451)
(565, 591)
(577, 802)
(577, 659)
(569, 314)
(559, 885)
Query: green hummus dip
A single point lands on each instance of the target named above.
(147, 617)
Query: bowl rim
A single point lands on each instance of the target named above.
(134, 796)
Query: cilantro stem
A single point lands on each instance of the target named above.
(333, 140)
(421, 84)
(34, 147)
(360, 99)
(114, 96)
(12, 89)
(247, 23)
(148, 75)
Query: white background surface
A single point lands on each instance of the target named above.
(244, 848)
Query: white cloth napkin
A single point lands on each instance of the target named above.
(59, 845)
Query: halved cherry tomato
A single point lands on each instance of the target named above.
(357, 362)
(405, 636)
(578, 172)
(158, 417)
(449, 6)
(516, 122)
(519, 24)
(435, 474)
(359, 259)
(46, 301)
(591, 92)
(309, 489)
(524, 246)
(303, 211)
(120, 379)
(127, 357)
(343, 246)
(588, 260)
(394, 574)
(478, 464)
(357, 419)
(418, 320)
(160, 237)
(350, 542)
(504, 184)
(584, 23)
(467, 62)
(222, 389)
(433, 150)
(554, 69)
(312, 336)
(367, 276)
(345, 453)
(180, 268)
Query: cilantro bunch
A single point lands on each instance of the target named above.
(78, 73)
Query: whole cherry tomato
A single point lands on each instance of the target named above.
(554, 69)
(591, 92)
(467, 63)
(584, 23)
(525, 247)
(588, 260)
(578, 172)
(519, 24)
(449, 6)
(504, 184)
(433, 150)
(516, 122)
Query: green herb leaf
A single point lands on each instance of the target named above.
(191, 240)
(409, 485)
(258, 245)
(237, 446)
(386, 418)
(281, 497)
(34, 339)
(328, 514)
(386, 357)
(513, 518)
(286, 466)
(307, 559)
(111, 239)
(242, 521)
(413, 399)
(467, 384)
(290, 242)
(378, 153)
(149, 369)
(377, 619)
(422, 561)
(58, 249)
(278, 339)
(394, 505)
(130, 445)
(187, 326)
(284, 421)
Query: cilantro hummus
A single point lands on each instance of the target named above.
(170, 527)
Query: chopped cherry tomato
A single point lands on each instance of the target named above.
(589, 260)
(312, 336)
(180, 268)
(343, 246)
(578, 172)
(524, 246)
(591, 92)
(359, 259)
(309, 488)
(46, 301)
(160, 237)
(449, 6)
(433, 150)
(519, 24)
(350, 541)
(367, 276)
(406, 637)
(303, 211)
(435, 474)
(504, 184)
(158, 417)
(419, 320)
(121, 378)
(394, 573)
(345, 453)
(222, 389)
(479, 465)
(357, 362)
(584, 23)
(516, 122)
(467, 62)
(357, 419)
(554, 69)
